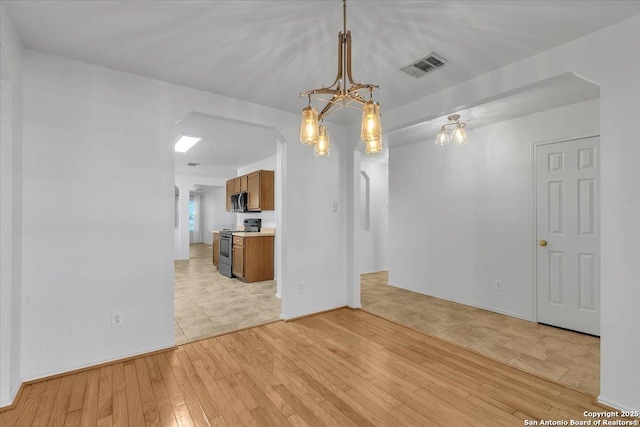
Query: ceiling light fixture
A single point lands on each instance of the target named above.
(186, 142)
(458, 134)
(341, 96)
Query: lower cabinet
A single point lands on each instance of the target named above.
(253, 258)
(237, 261)
(216, 249)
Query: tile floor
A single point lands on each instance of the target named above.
(208, 303)
(569, 358)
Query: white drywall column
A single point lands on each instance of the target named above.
(353, 241)
(11, 170)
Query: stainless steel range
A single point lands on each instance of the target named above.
(226, 244)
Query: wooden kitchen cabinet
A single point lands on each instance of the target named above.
(216, 249)
(260, 188)
(230, 190)
(237, 262)
(253, 258)
(261, 191)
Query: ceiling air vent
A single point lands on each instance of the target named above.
(193, 165)
(425, 65)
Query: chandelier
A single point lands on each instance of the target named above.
(337, 96)
(458, 134)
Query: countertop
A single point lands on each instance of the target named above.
(265, 232)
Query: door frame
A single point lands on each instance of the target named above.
(534, 206)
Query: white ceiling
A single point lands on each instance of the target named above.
(226, 146)
(268, 52)
(555, 92)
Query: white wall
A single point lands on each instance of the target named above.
(374, 241)
(95, 141)
(314, 240)
(11, 119)
(619, 88)
(98, 216)
(215, 213)
(461, 217)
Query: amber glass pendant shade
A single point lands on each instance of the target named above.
(373, 147)
(323, 145)
(371, 128)
(309, 126)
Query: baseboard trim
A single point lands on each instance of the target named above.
(15, 400)
(302, 316)
(460, 301)
(25, 383)
(611, 406)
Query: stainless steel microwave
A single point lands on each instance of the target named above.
(239, 202)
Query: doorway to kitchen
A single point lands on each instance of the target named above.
(206, 302)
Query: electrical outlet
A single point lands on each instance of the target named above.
(498, 285)
(117, 319)
(301, 288)
(335, 206)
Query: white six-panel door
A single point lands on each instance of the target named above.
(568, 234)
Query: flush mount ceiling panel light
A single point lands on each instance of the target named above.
(186, 142)
(337, 96)
(458, 134)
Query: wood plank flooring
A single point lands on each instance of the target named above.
(340, 368)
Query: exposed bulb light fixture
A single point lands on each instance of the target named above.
(340, 96)
(323, 146)
(309, 130)
(186, 142)
(457, 134)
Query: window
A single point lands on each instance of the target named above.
(192, 213)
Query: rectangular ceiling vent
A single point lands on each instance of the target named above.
(425, 65)
(193, 165)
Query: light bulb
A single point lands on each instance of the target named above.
(323, 145)
(442, 138)
(309, 126)
(459, 136)
(371, 128)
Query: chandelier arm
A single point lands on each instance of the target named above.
(322, 90)
(330, 104)
(360, 86)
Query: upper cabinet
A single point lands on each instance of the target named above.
(230, 191)
(261, 191)
(258, 185)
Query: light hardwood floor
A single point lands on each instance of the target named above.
(570, 358)
(341, 368)
(208, 303)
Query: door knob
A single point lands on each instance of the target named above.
(543, 243)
